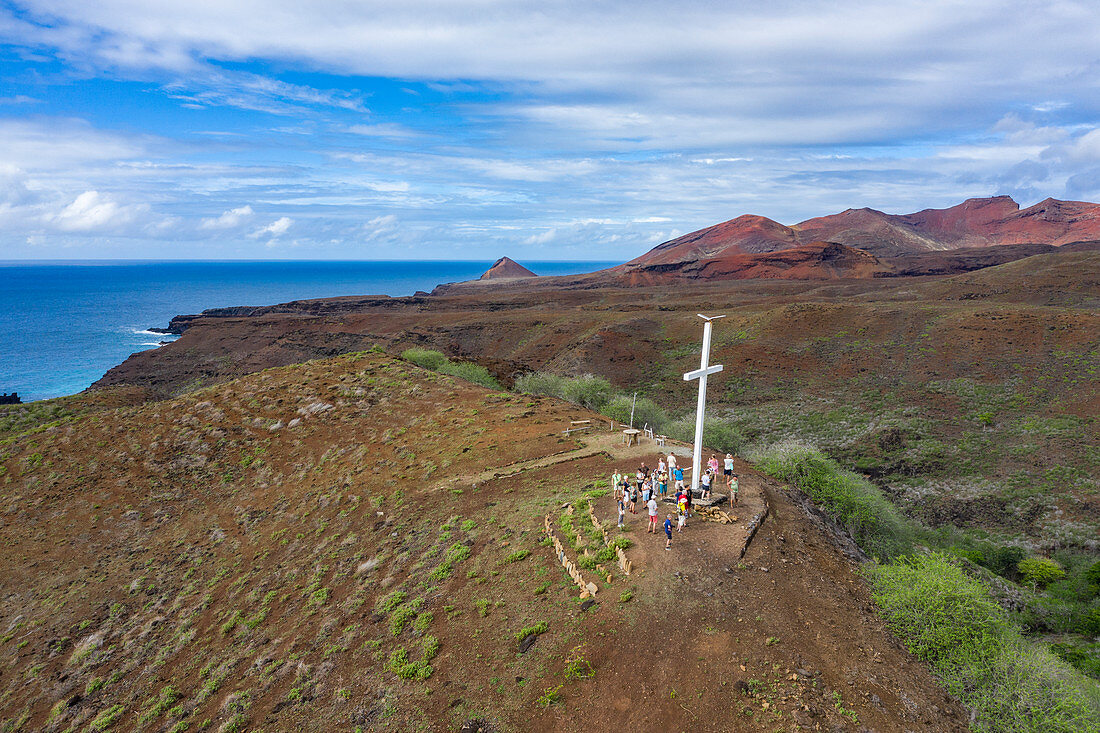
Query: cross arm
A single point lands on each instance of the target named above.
(698, 373)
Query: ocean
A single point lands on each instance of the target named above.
(63, 324)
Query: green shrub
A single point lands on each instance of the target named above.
(398, 658)
(457, 552)
(107, 718)
(645, 411)
(718, 434)
(390, 601)
(543, 383)
(400, 617)
(1089, 624)
(539, 628)
(471, 373)
(1040, 570)
(947, 619)
(853, 501)
(620, 543)
(517, 556)
(419, 670)
(425, 358)
(442, 571)
(551, 696)
(431, 647)
(587, 391)
(423, 621)
(1093, 576)
(438, 362)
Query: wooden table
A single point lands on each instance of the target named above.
(630, 436)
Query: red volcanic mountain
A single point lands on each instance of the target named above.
(731, 249)
(506, 267)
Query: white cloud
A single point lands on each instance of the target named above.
(275, 229)
(386, 129)
(599, 126)
(541, 238)
(92, 211)
(229, 219)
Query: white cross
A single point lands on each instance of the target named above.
(701, 374)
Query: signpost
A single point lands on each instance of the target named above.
(701, 374)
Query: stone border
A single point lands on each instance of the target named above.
(624, 564)
(587, 588)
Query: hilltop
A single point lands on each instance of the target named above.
(506, 268)
(357, 543)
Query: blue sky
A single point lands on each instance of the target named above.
(469, 130)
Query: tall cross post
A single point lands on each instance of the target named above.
(701, 374)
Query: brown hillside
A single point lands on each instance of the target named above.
(358, 543)
(992, 372)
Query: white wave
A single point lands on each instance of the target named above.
(150, 343)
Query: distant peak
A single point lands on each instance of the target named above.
(990, 200)
(506, 267)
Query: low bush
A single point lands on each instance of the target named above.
(718, 434)
(471, 373)
(543, 383)
(854, 502)
(517, 556)
(425, 358)
(947, 619)
(539, 628)
(646, 411)
(438, 362)
(587, 391)
(1040, 570)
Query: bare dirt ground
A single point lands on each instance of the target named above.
(785, 639)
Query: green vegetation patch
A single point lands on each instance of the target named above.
(948, 620)
(854, 502)
(438, 362)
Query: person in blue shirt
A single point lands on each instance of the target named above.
(668, 531)
(679, 476)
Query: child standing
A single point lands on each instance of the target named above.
(668, 531)
(733, 489)
(706, 479)
(622, 510)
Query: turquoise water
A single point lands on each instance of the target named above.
(62, 325)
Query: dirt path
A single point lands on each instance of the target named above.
(591, 444)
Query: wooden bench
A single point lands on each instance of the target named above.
(577, 426)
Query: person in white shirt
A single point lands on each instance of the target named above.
(652, 506)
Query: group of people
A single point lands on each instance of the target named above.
(649, 484)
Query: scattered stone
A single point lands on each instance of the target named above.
(527, 643)
(588, 604)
